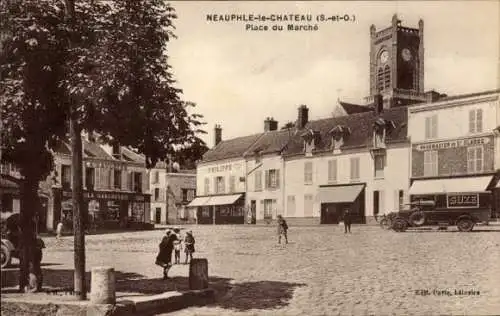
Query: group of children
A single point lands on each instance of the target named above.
(188, 246)
(172, 241)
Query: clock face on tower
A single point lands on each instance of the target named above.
(384, 56)
(406, 54)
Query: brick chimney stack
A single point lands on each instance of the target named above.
(217, 134)
(303, 117)
(270, 124)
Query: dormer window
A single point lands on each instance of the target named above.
(309, 142)
(381, 128)
(116, 151)
(339, 135)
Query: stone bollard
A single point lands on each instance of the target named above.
(102, 286)
(198, 274)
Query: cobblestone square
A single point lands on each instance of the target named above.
(321, 271)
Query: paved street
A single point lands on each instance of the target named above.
(321, 272)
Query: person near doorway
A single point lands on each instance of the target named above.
(347, 221)
(189, 242)
(282, 229)
(164, 258)
(59, 229)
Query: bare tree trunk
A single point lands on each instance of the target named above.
(77, 191)
(78, 212)
(27, 240)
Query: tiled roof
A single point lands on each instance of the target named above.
(8, 182)
(468, 95)
(360, 125)
(132, 156)
(94, 150)
(271, 142)
(351, 108)
(230, 148)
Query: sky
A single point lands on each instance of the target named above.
(238, 77)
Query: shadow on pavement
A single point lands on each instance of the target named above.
(229, 295)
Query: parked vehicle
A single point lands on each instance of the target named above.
(425, 213)
(10, 238)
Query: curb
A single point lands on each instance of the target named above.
(125, 306)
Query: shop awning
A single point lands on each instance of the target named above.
(339, 194)
(199, 201)
(453, 185)
(223, 199)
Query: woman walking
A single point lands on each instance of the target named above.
(164, 258)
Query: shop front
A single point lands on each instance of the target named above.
(103, 209)
(462, 193)
(220, 209)
(335, 199)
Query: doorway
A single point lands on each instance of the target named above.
(253, 212)
(329, 214)
(158, 215)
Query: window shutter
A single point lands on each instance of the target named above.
(261, 211)
(381, 202)
(130, 181)
(216, 188)
(472, 121)
(223, 185)
(479, 121)
(111, 178)
(277, 178)
(479, 159)
(124, 175)
(145, 182)
(266, 179)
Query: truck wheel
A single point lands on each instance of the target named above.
(399, 225)
(5, 257)
(384, 223)
(417, 218)
(465, 224)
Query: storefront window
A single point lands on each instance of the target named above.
(66, 176)
(205, 212)
(113, 211)
(138, 212)
(117, 175)
(225, 211)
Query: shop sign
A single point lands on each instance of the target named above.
(453, 144)
(462, 200)
(220, 168)
(105, 164)
(108, 196)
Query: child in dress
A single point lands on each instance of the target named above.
(177, 246)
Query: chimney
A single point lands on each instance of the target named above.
(378, 103)
(270, 124)
(303, 117)
(217, 134)
(91, 136)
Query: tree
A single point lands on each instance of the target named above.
(31, 110)
(105, 68)
(288, 125)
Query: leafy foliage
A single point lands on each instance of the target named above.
(116, 72)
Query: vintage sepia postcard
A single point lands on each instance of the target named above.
(250, 157)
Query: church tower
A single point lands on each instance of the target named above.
(397, 64)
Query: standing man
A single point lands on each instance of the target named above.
(347, 221)
(282, 229)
